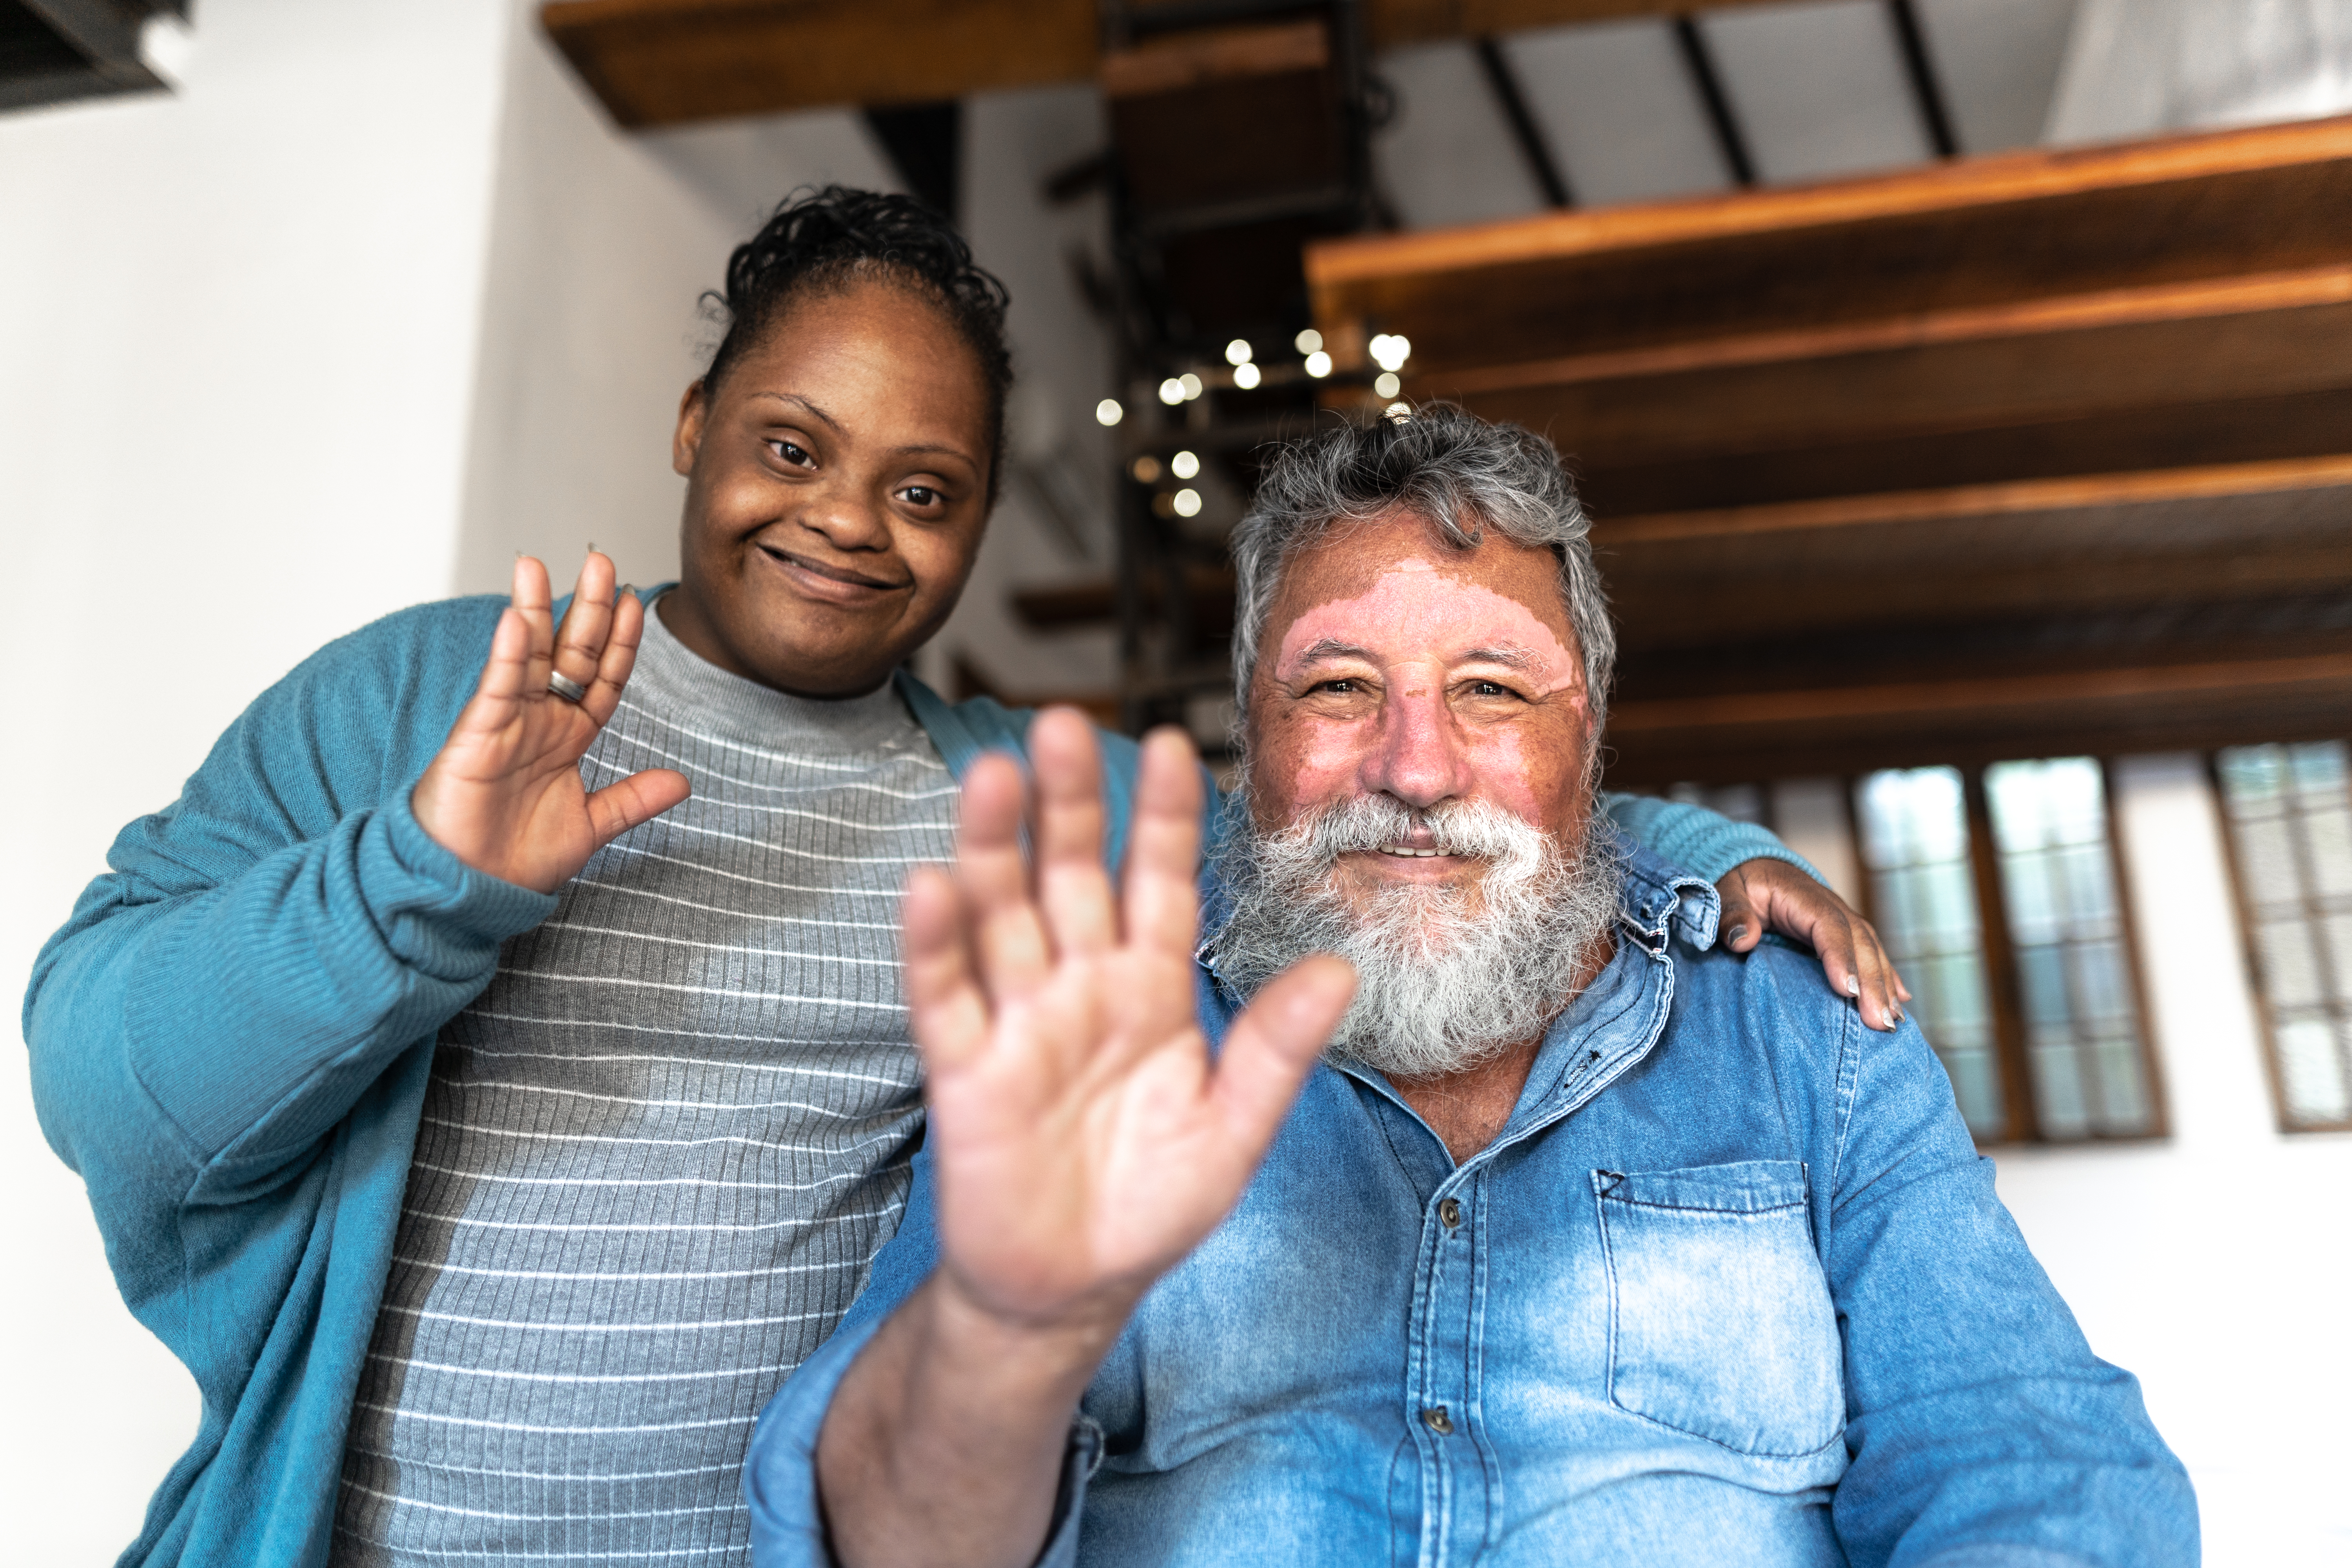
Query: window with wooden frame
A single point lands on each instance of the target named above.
(1998, 895)
(2289, 810)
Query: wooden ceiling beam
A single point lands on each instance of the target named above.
(2051, 548)
(1971, 233)
(671, 62)
(1849, 729)
(1942, 372)
(2286, 426)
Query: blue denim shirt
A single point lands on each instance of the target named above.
(1730, 1287)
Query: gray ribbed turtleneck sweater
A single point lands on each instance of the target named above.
(660, 1150)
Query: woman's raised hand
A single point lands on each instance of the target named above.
(505, 795)
(1084, 1140)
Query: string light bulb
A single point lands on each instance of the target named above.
(1308, 341)
(1109, 412)
(1318, 365)
(1191, 384)
(1172, 391)
(1146, 470)
(1390, 349)
(1386, 383)
(1184, 465)
(1246, 375)
(1188, 503)
(1238, 352)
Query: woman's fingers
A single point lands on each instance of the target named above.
(1879, 981)
(1741, 926)
(1014, 958)
(639, 798)
(619, 658)
(1769, 894)
(577, 651)
(505, 674)
(533, 601)
(1072, 887)
(1163, 847)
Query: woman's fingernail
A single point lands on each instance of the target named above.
(1853, 985)
(1738, 933)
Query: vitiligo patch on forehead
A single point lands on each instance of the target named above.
(1418, 611)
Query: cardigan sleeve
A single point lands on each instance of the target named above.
(1694, 838)
(259, 952)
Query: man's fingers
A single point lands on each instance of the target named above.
(1274, 1043)
(943, 995)
(1071, 883)
(1013, 955)
(639, 798)
(1163, 846)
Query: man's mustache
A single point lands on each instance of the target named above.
(1372, 824)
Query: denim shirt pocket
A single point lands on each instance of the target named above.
(1720, 1323)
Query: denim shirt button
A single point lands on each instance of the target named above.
(1449, 1213)
(1434, 1417)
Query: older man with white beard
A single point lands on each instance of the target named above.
(1533, 1227)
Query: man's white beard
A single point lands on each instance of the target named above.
(1446, 978)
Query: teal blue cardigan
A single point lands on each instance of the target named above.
(230, 1041)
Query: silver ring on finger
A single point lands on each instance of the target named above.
(564, 686)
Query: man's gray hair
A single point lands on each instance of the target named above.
(1458, 471)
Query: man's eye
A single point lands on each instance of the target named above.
(1343, 687)
(1490, 689)
(792, 452)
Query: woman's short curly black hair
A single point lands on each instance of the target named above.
(824, 239)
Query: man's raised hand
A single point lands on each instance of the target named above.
(1084, 1140)
(505, 795)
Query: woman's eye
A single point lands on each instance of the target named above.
(792, 452)
(921, 495)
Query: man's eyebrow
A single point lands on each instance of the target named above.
(828, 420)
(1520, 658)
(1334, 648)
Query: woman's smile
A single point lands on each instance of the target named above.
(829, 584)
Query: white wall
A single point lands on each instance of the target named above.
(602, 246)
(1063, 358)
(237, 345)
(2212, 1263)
